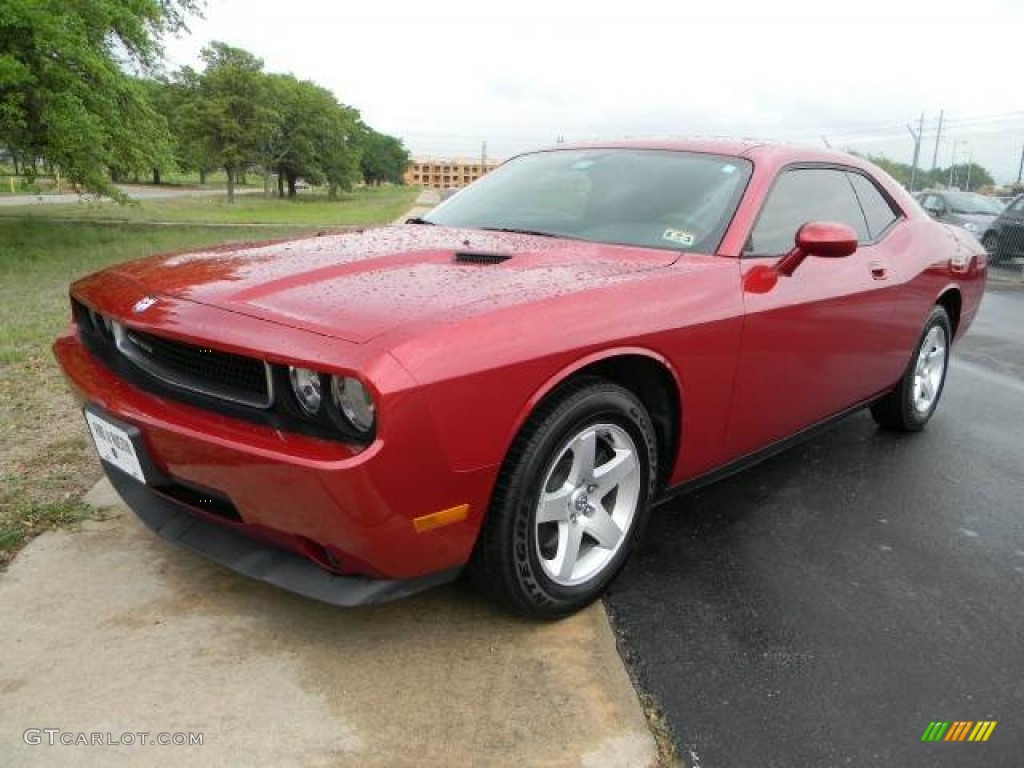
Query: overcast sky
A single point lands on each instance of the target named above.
(445, 75)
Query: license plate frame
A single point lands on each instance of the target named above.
(118, 445)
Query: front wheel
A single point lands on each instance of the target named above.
(991, 244)
(570, 501)
(911, 404)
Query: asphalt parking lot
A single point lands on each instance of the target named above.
(822, 608)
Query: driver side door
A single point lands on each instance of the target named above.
(824, 338)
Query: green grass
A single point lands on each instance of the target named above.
(46, 461)
(364, 206)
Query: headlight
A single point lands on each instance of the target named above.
(306, 387)
(970, 226)
(354, 402)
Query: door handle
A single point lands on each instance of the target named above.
(879, 272)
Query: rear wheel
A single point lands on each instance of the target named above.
(911, 404)
(571, 499)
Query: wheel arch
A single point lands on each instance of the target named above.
(645, 373)
(951, 300)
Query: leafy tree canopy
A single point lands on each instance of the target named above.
(66, 95)
(226, 113)
(385, 158)
(968, 176)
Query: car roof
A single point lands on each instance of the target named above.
(779, 152)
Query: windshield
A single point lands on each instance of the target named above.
(650, 198)
(970, 203)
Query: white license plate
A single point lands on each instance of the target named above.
(114, 446)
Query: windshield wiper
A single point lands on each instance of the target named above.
(516, 231)
(419, 220)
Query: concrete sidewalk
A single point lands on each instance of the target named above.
(426, 200)
(110, 630)
(134, 191)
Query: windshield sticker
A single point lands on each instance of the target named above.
(678, 236)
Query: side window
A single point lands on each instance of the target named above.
(802, 195)
(876, 207)
(932, 204)
(1018, 205)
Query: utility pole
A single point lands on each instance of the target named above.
(825, 139)
(917, 151)
(483, 158)
(938, 139)
(952, 159)
(1020, 168)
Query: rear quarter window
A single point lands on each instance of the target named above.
(878, 211)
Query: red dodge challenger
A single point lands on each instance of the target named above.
(507, 384)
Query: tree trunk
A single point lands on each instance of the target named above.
(202, 175)
(291, 186)
(241, 177)
(231, 185)
(156, 177)
(280, 181)
(332, 192)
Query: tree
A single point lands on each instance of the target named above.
(341, 153)
(315, 138)
(384, 158)
(970, 176)
(227, 114)
(65, 94)
(937, 177)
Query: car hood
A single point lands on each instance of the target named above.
(358, 285)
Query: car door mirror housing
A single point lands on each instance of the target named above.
(827, 239)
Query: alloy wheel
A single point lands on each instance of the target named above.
(587, 503)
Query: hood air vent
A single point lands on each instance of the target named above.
(471, 257)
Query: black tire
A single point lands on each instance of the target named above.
(991, 244)
(897, 411)
(507, 562)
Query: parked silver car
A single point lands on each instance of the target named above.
(969, 210)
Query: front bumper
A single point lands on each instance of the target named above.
(350, 512)
(255, 559)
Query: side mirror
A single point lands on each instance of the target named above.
(826, 239)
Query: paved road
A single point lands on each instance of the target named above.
(133, 191)
(822, 608)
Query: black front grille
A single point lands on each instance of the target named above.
(242, 387)
(212, 372)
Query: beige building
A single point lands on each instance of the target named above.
(452, 172)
